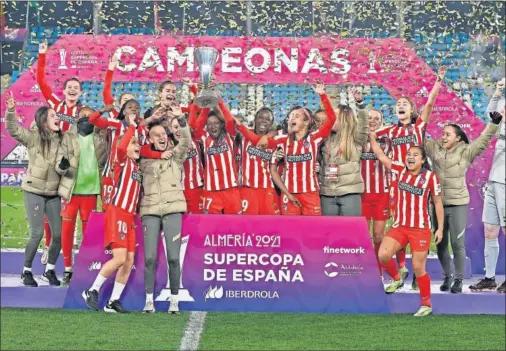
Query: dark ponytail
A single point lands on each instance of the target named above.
(45, 135)
(459, 132)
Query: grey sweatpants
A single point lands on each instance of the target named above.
(454, 231)
(346, 205)
(36, 207)
(171, 225)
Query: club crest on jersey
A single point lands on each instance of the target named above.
(422, 180)
(137, 176)
(299, 158)
(264, 155)
(306, 144)
(65, 118)
(191, 153)
(408, 139)
(218, 149)
(410, 189)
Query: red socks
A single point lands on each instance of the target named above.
(376, 250)
(424, 286)
(401, 257)
(47, 231)
(391, 268)
(67, 240)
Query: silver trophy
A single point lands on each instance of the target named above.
(206, 59)
(63, 56)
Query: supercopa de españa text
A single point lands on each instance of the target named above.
(283, 261)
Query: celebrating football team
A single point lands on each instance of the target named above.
(172, 160)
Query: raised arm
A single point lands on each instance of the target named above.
(46, 90)
(103, 123)
(427, 110)
(181, 149)
(107, 92)
(376, 148)
(326, 127)
(125, 140)
(201, 122)
(480, 144)
(362, 133)
(229, 120)
(24, 135)
(493, 105)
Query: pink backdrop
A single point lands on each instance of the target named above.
(260, 60)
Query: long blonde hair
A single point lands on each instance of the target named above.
(347, 128)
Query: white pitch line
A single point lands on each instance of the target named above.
(192, 332)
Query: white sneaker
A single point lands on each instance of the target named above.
(174, 306)
(149, 307)
(45, 255)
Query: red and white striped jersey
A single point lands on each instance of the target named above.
(376, 176)
(115, 129)
(220, 172)
(127, 177)
(193, 170)
(412, 196)
(67, 115)
(255, 166)
(403, 137)
(300, 155)
(220, 166)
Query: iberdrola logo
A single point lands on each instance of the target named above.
(213, 293)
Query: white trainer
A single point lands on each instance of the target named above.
(174, 306)
(149, 307)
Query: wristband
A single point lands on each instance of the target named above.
(439, 79)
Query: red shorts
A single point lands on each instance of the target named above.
(376, 206)
(226, 201)
(119, 229)
(310, 202)
(82, 203)
(107, 187)
(259, 201)
(419, 239)
(193, 200)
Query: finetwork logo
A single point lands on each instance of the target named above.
(213, 293)
(95, 266)
(344, 250)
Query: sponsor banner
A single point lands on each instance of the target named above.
(12, 176)
(281, 264)
(92, 257)
(251, 263)
(13, 34)
(389, 63)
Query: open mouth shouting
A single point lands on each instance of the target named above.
(410, 162)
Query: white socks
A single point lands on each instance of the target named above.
(149, 297)
(49, 267)
(68, 269)
(174, 298)
(26, 269)
(99, 281)
(116, 291)
(491, 256)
